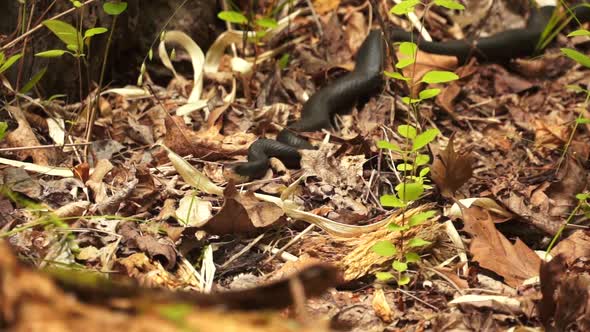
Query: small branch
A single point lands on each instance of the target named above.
(51, 146)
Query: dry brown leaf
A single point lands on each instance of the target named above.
(243, 214)
(324, 6)
(565, 305)
(515, 262)
(451, 170)
(381, 307)
(24, 136)
(574, 246)
(426, 62)
(134, 239)
(208, 144)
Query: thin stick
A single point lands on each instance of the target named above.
(244, 250)
(418, 299)
(28, 33)
(51, 146)
(290, 243)
(315, 17)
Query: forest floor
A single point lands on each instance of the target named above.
(158, 226)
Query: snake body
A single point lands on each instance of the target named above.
(319, 109)
(339, 96)
(501, 47)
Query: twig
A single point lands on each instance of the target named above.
(315, 17)
(418, 299)
(244, 250)
(51, 146)
(290, 243)
(417, 24)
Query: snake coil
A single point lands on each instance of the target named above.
(319, 110)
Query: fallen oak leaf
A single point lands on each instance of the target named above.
(451, 170)
(514, 262)
(243, 214)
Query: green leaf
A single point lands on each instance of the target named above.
(407, 131)
(384, 248)
(383, 276)
(583, 197)
(408, 49)
(72, 48)
(114, 8)
(56, 96)
(388, 145)
(2, 58)
(429, 93)
(391, 201)
(175, 312)
(77, 4)
(575, 88)
(66, 32)
(412, 257)
(422, 159)
(94, 31)
(3, 128)
(403, 63)
(34, 80)
(580, 58)
(51, 53)
(583, 120)
(284, 61)
(403, 280)
(267, 22)
(418, 242)
(409, 191)
(580, 32)
(449, 4)
(232, 17)
(397, 228)
(408, 100)
(8, 63)
(439, 76)
(424, 139)
(421, 217)
(396, 75)
(404, 167)
(404, 7)
(399, 266)
(424, 171)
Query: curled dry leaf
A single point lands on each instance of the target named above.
(496, 303)
(381, 307)
(133, 238)
(23, 136)
(515, 262)
(451, 170)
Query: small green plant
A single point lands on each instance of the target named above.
(583, 60)
(5, 64)
(583, 206)
(414, 166)
(260, 24)
(3, 128)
